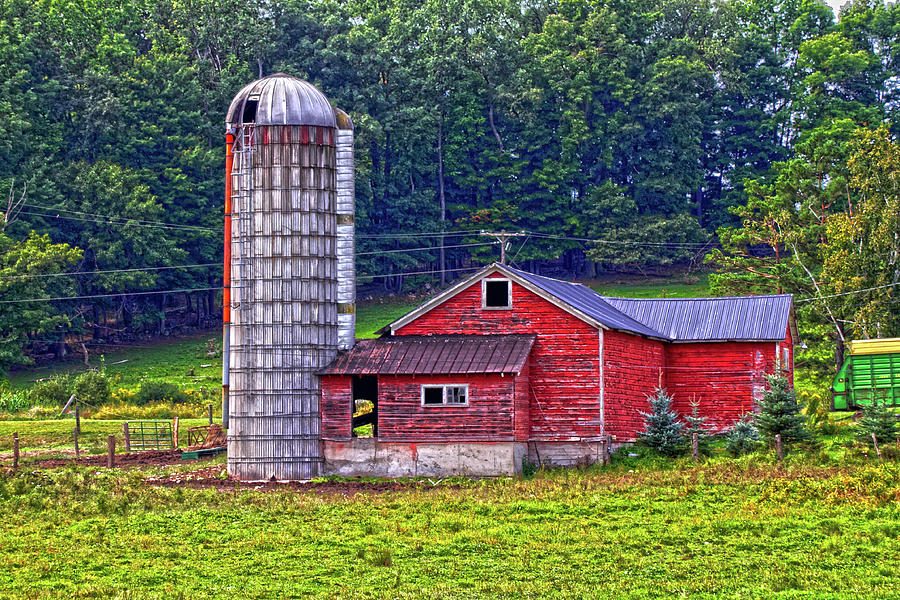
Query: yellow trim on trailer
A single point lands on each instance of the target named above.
(882, 346)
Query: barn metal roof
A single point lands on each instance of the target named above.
(697, 319)
(433, 355)
(283, 100)
(588, 302)
(741, 318)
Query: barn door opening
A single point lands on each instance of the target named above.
(365, 406)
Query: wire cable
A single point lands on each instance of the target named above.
(135, 220)
(871, 289)
(18, 300)
(142, 269)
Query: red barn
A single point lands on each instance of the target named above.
(507, 365)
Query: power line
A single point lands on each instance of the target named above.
(423, 249)
(871, 289)
(619, 242)
(134, 220)
(142, 269)
(123, 221)
(420, 272)
(203, 289)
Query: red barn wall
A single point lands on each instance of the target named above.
(564, 370)
(335, 405)
(632, 369)
(723, 377)
(522, 416)
(488, 417)
(788, 345)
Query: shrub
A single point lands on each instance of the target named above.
(743, 438)
(151, 411)
(781, 414)
(92, 388)
(877, 419)
(153, 392)
(662, 430)
(13, 401)
(55, 391)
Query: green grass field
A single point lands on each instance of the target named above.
(747, 528)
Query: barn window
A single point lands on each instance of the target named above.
(437, 395)
(496, 293)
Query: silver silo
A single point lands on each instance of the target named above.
(284, 284)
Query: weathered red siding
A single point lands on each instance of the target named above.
(633, 368)
(723, 377)
(563, 375)
(522, 416)
(335, 403)
(488, 417)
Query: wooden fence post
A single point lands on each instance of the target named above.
(604, 449)
(778, 446)
(77, 416)
(877, 449)
(75, 437)
(175, 433)
(209, 410)
(111, 455)
(695, 446)
(15, 451)
(127, 436)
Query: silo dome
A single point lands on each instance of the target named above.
(280, 99)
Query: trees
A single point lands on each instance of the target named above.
(662, 430)
(780, 413)
(27, 269)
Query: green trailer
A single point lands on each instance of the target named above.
(870, 372)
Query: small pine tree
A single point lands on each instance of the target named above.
(780, 413)
(743, 438)
(878, 419)
(662, 430)
(697, 424)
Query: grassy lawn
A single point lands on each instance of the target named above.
(169, 360)
(653, 287)
(746, 528)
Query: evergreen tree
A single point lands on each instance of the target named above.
(662, 430)
(697, 424)
(743, 438)
(877, 419)
(780, 413)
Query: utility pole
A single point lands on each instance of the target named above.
(503, 238)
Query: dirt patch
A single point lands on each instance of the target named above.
(126, 459)
(211, 478)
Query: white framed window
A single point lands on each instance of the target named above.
(451, 394)
(496, 293)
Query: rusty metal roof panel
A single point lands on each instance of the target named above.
(282, 100)
(714, 319)
(433, 355)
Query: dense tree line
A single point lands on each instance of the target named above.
(646, 126)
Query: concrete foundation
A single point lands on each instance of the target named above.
(564, 454)
(369, 457)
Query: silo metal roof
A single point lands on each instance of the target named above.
(282, 100)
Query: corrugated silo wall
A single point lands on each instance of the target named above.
(345, 240)
(284, 272)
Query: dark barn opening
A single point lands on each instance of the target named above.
(365, 391)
